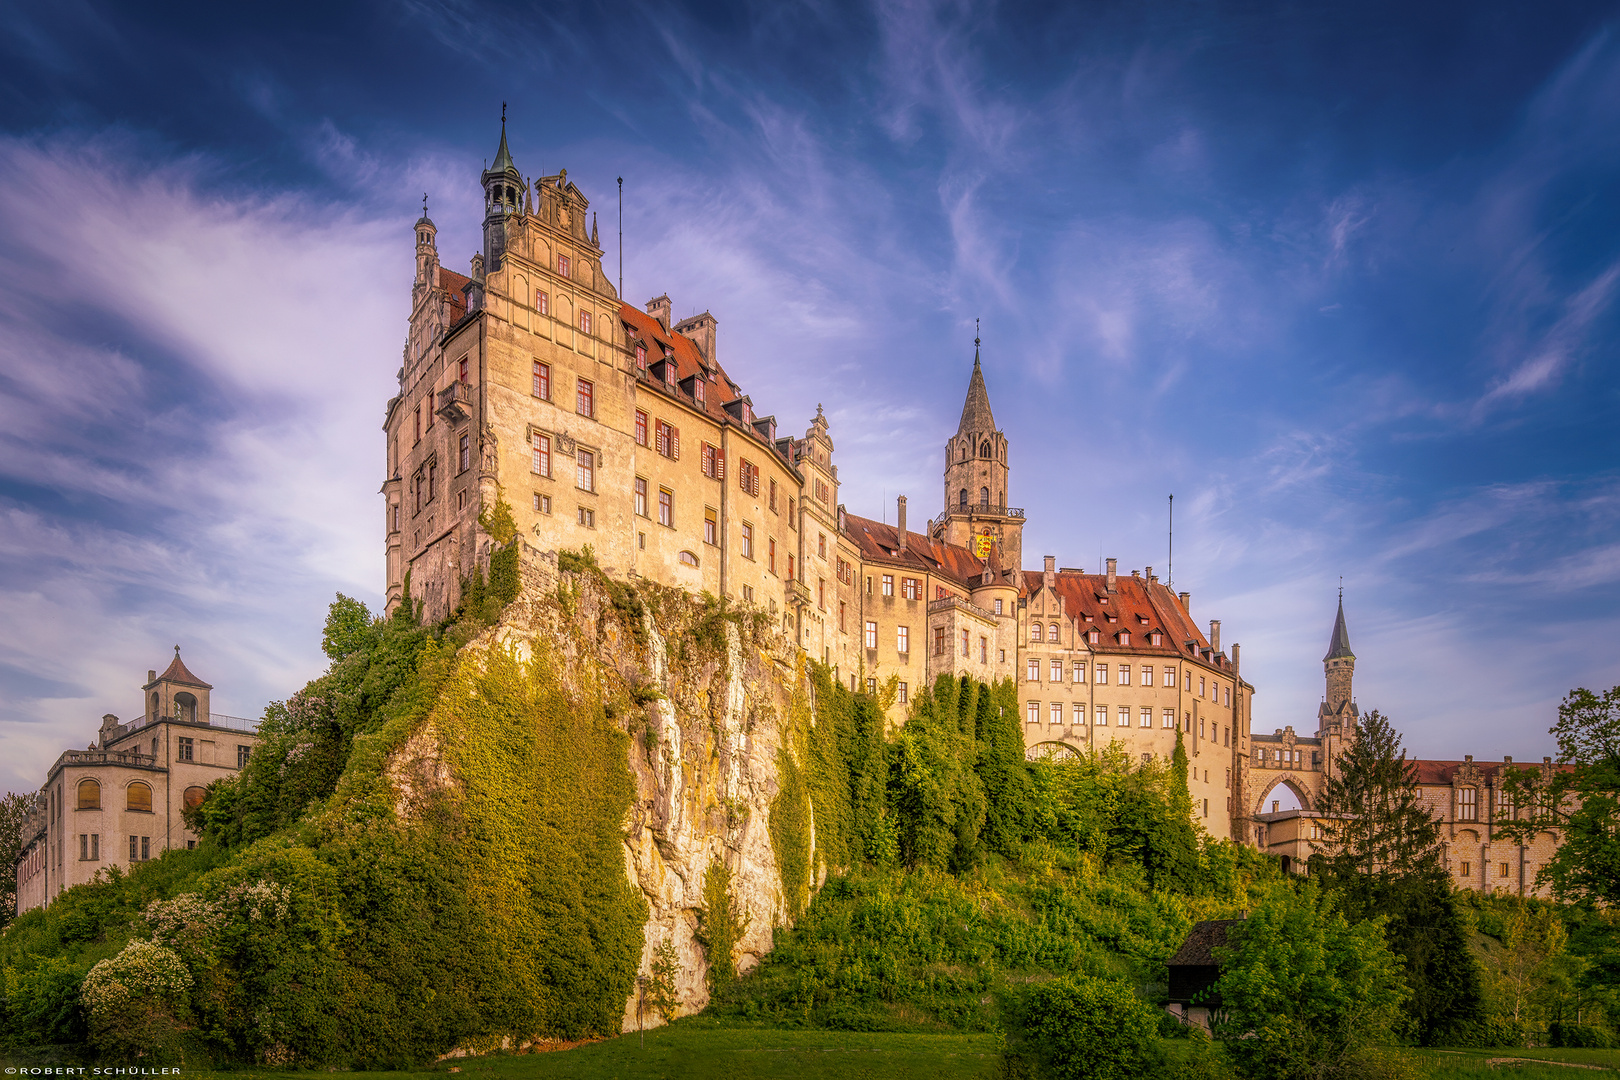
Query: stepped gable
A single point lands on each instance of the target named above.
(177, 672)
(881, 543)
(1134, 599)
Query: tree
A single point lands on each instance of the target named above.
(1373, 822)
(1582, 802)
(722, 922)
(1380, 850)
(1090, 1029)
(1304, 993)
(14, 810)
(348, 625)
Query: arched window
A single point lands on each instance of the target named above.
(984, 496)
(194, 797)
(157, 707)
(688, 559)
(138, 797)
(89, 795)
(1034, 633)
(962, 498)
(1054, 632)
(185, 707)
(985, 451)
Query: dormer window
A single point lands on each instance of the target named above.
(1093, 637)
(641, 357)
(1124, 637)
(697, 390)
(1157, 639)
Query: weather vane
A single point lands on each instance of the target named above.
(975, 331)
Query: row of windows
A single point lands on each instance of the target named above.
(542, 299)
(584, 390)
(1093, 637)
(1277, 758)
(138, 795)
(1503, 870)
(1145, 677)
(1123, 715)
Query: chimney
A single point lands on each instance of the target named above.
(151, 675)
(1235, 649)
(901, 519)
(1186, 601)
(1215, 635)
(1149, 574)
(659, 307)
(1507, 759)
(1049, 572)
(1276, 804)
(1113, 569)
(701, 329)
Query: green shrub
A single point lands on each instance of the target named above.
(1089, 1029)
(1579, 1036)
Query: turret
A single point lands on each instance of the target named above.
(427, 255)
(1339, 665)
(976, 475)
(504, 192)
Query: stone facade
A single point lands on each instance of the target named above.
(1464, 796)
(121, 801)
(606, 425)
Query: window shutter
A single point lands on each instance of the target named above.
(720, 465)
(675, 443)
(663, 439)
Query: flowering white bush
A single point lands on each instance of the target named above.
(144, 970)
(260, 900)
(188, 917)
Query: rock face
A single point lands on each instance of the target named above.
(707, 697)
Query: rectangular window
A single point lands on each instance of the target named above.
(584, 470)
(902, 641)
(1226, 695)
(1147, 674)
(1102, 674)
(1079, 715)
(641, 358)
(871, 686)
(587, 517)
(242, 755)
(714, 462)
(1170, 676)
(964, 643)
(666, 507)
(770, 554)
(585, 321)
(1468, 804)
(185, 749)
(1100, 717)
(1124, 674)
(1057, 712)
(939, 641)
(841, 609)
(464, 454)
(748, 476)
(910, 588)
(542, 302)
(1056, 674)
(1124, 716)
(562, 265)
(135, 849)
(1033, 712)
(1502, 870)
(1032, 670)
(1200, 686)
(641, 428)
(984, 650)
(1079, 672)
(871, 635)
(1169, 718)
(748, 593)
(146, 848)
(747, 540)
(1466, 869)
(711, 526)
(669, 441)
(84, 847)
(584, 396)
(542, 504)
(998, 606)
(461, 371)
(641, 496)
(1145, 719)
(888, 584)
(903, 697)
(821, 543)
(541, 464)
(416, 426)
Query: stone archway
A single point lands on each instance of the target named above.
(1051, 751)
(1302, 789)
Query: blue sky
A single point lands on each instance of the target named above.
(1344, 282)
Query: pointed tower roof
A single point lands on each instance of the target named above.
(177, 672)
(503, 156)
(1339, 646)
(976, 415)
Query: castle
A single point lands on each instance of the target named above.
(122, 801)
(602, 424)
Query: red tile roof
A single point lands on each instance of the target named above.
(177, 672)
(688, 358)
(881, 543)
(1134, 600)
(1442, 772)
(456, 285)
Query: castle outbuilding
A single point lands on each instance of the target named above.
(122, 801)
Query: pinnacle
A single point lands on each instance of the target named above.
(1339, 645)
(976, 414)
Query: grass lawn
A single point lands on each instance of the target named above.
(1443, 1064)
(698, 1050)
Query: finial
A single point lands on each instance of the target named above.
(503, 115)
(975, 331)
(177, 652)
(1341, 588)
(424, 204)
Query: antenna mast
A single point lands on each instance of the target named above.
(621, 239)
(1170, 571)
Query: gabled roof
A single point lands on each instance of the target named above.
(1202, 941)
(976, 415)
(456, 285)
(176, 672)
(1134, 599)
(1443, 772)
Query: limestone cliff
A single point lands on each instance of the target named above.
(708, 698)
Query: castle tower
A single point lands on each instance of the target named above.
(176, 694)
(1339, 665)
(976, 474)
(504, 193)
